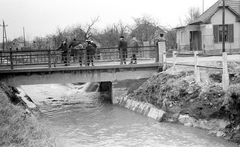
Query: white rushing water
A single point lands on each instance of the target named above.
(77, 119)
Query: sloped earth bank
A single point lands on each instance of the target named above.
(204, 105)
(18, 127)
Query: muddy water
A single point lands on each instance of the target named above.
(76, 118)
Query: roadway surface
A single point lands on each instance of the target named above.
(203, 60)
(76, 65)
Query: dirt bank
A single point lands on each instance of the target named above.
(176, 92)
(18, 127)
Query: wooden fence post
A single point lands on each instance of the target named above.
(225, 75)
(174, 58)
(196, 68)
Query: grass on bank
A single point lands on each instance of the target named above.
(19, 128)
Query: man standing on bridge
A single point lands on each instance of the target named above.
(134, 49)
(65, 53)
(122, 47)
(74, 50)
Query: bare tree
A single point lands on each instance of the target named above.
(59, 37)
(88, 33)
(192, 14)
(145, 28)
(39, 43)
(170, 37)
(110, 35)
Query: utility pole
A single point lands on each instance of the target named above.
(24, 37)
(203, 6)
(225, 75)
(4, 34)
(223, 27)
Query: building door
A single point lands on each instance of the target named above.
(191, 41)
(195, 40)
(199, 40)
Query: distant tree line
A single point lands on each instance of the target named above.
(145, 28)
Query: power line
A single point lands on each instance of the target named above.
(17, 11)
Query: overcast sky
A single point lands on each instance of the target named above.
(42, 17)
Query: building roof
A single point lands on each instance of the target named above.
(232, 5)
(180, 27)
(18, 40)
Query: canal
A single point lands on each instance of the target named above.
(77, 118)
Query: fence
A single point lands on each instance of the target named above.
(34, 58)
(196, 65)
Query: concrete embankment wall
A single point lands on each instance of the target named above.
(146, 109)
(142, 108)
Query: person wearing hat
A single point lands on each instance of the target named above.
(74, 51)
(134, 49)
(91, 49)
(65, 53)
(122, 47)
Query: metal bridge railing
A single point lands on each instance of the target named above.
(53, 58)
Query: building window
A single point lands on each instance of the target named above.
(218, 32)
(220, 29)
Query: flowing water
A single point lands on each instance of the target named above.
(77, 119)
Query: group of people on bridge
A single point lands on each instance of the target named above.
(123, 52)
(76, 50)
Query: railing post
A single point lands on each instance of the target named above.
(85, 56)
(1, 54)
(162, 53)
(30, 57)
(49, 58)
(121, 56)
(11, 58)
(225, 75)
(196, 68)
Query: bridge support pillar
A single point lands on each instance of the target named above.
(106, 90)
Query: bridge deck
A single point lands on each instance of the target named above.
(76, 66)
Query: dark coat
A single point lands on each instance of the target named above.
(122, 45)
(64, 48)
(73, 43)
(91, 48)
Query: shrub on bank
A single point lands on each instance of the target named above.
(18, 127)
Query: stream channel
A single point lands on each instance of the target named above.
(76, 118)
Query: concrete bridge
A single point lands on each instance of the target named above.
(36, 67)
(73, 74)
